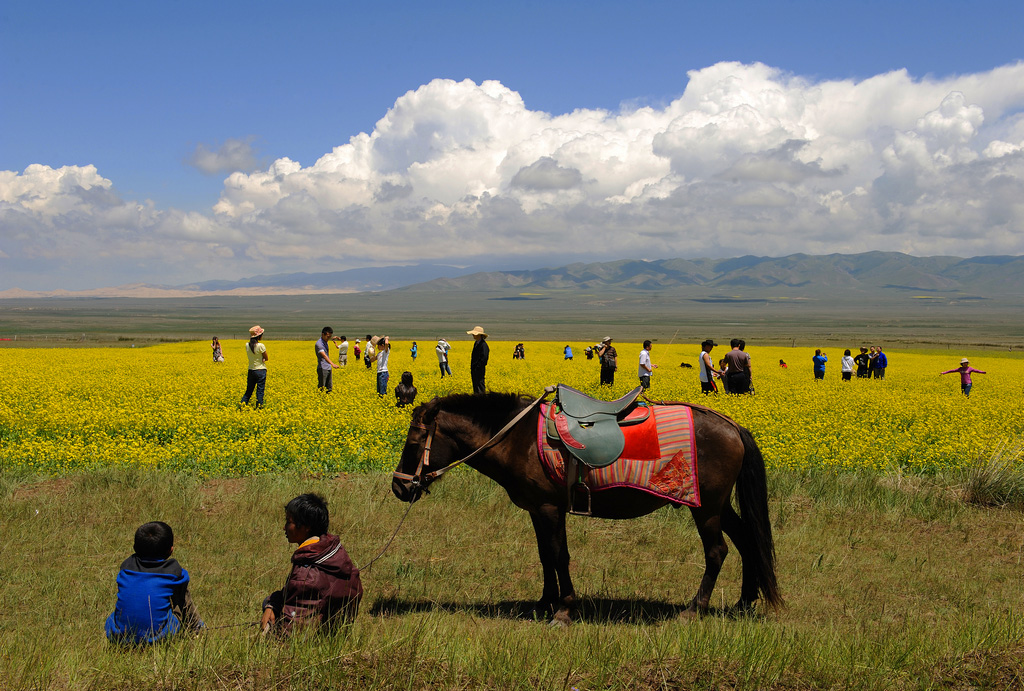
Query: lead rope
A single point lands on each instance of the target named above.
(493, 440)
(366, 567)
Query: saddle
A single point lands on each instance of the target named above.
(589, 428)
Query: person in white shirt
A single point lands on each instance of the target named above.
(847, 365)
(343, 351)
(646, 368)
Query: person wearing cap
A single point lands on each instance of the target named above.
(381, 346)
(256, 353)
(965, 371)
(478, 359)
(357, 351)
(609, 359)
(706, 368)
(862, 360)
(324, 367)
(441, 350)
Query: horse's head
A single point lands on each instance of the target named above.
(414, 472)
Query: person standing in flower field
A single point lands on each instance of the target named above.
(965, 371)
(324, 367)
(609, 360)
(862, 360)
(847, 365)
(441, 350)
(706, 369)
(819, 359)
(478, 359)
(382, 350)
(343, 352)
(738, 372)
(218, 354)
(645, 369)
(414, 350)
(256, 353)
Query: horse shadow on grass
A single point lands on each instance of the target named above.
(595, 610)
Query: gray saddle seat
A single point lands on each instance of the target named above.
(589, 428)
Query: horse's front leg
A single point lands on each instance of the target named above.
(558, 597)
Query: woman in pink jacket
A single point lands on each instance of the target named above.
(965, 371)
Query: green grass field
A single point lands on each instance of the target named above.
(890, 583)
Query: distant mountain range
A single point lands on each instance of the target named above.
(794, 275)
(797, 274)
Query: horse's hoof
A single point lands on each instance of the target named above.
(561, 620)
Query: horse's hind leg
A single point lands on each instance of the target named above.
(739, 533)
(709, 527)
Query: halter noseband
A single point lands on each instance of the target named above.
(419, 480)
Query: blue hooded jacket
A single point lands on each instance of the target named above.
(143, 611)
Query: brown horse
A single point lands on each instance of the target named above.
(446, 430)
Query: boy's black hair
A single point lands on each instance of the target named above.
(734, 343)
(327, 330)
(647, 343)
(154, 540)
(309, 511)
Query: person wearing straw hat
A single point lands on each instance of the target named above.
(256, 353)
(478, 359)
(965, 371)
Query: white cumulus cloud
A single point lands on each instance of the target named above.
(749, 159)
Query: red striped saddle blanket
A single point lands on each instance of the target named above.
(660, 457)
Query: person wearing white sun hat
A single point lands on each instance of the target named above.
(478, 359)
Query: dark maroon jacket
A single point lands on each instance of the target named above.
(323, 587)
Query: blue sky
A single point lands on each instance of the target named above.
(165, 101)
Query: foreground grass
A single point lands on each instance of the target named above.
(890, 583)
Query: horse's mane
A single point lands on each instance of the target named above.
(489, 410)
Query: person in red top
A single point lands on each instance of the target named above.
(323, 587)
(965, 371)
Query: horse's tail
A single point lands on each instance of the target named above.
(752, 494)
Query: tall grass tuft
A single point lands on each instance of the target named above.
(999, 479)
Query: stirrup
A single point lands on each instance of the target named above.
(572, 499)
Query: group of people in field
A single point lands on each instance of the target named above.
(154, 602)
(869, 363)
(375, 352)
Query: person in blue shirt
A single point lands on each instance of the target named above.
(414, 350)
(153, 601)
(819, 358)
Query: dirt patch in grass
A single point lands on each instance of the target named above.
(215, 491)
(54, 487)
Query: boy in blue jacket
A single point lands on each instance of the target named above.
(152, 591)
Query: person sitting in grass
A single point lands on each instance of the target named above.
(153, 601)
(323, 587)
(405, 392)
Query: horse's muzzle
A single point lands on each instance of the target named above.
(406, 490)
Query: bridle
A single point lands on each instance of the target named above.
(420, 481)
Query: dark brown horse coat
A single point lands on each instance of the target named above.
(448, 429)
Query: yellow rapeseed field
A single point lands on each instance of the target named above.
(170, 406)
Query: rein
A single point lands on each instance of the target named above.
(420, 480)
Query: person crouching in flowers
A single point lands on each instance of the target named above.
(323, 586)
(965, 371)
(256, 353)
